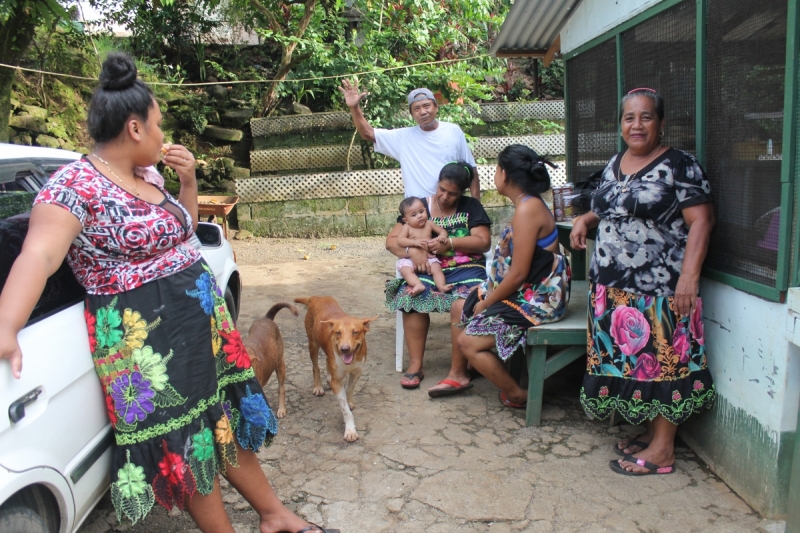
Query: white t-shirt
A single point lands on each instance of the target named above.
(422, 154)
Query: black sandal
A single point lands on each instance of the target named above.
(419, 375)
(651, 468)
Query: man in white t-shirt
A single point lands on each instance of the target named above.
(422, 150)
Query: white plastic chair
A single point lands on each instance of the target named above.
(400, 334)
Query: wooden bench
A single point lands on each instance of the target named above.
(569, 334)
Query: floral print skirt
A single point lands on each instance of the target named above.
(531, 306)
(431, 300)
(179, 389)
(642, 360)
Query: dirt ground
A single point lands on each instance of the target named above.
(463, 463)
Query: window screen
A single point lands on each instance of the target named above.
(592, 128)
(745, 80)
(660, 54)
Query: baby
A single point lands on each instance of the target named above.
(416, 231)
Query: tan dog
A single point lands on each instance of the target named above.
(264, 345)
(343, 339)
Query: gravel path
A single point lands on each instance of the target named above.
(261, 250)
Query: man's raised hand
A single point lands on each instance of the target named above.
(351, 95)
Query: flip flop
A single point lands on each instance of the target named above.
(508, 403)
(456, 388)
(419, 375)
(631, 442)
(651, 468)
(315, 528)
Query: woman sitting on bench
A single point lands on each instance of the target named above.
(529, 282)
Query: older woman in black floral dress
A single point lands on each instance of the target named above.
(646, 348)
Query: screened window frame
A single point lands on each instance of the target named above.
(788, 263)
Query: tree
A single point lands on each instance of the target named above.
(286, 23)
(18, 21)
(395, 34)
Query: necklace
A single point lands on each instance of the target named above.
(440, 208)
(630, 178)
(517, 198)
(135, 187)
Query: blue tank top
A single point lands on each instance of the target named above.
(550, 239)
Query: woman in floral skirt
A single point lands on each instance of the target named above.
(181, 396)
(529, 282)
(646, 346)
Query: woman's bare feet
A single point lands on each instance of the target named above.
(284, 521)
(627, 448)
(462, 380)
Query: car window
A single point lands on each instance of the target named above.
(208, 234)
(25, 181)
(28, 174)
(61, 290)
(21, 179)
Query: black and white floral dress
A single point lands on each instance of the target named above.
(644, 360)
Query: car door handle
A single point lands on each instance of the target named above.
(16, 410)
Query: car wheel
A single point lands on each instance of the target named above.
(230, 302)
(20, 519)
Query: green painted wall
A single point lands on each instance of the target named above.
(753, 461)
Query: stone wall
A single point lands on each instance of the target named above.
(355, 216)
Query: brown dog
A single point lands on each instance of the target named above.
(264, 345)
(343, 339)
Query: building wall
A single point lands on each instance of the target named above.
(595, 17)
(747, 438)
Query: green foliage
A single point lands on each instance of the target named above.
(44, 10)
(193, 118)
(397, 34)
(553, 79)
(167, 32)
(508, 128)
(63, 47)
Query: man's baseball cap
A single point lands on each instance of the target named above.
(420, 94)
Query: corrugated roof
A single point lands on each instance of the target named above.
(532, 26)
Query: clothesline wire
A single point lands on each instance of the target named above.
(238, 82)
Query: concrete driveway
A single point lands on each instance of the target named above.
(463, 463)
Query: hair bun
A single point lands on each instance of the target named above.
(119, 72)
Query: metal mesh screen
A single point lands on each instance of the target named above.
(592, 127)
(659, 54)
(746, 60)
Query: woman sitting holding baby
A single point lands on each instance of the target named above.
(460, 255)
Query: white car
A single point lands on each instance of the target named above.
(55, 436)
